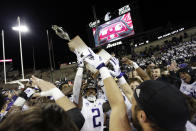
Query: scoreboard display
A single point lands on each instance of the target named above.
(113, 30)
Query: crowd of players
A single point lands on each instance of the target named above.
(154, 93)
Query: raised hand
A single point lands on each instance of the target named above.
(95, 60)
(80, 58)
(127, 61)
(115, 63)
(47, 88)
(42, 84)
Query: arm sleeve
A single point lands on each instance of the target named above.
(77, 85)
(76, 117)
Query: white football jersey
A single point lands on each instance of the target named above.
(93, 114)
(190, 126)
(188, 89)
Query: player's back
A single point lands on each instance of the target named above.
(93, 114)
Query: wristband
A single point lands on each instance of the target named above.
(100, 66)
(122, 81)
(19, 101)
(23, 95)
(36, 87)
(104, 73)
(80, 66)
(55, 93)
(135, 65)
(121, 74)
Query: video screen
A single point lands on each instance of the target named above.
(113, 30)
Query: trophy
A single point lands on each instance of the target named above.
(78, 43)
(75, 43)
(60, 32)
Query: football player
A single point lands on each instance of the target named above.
(90, 105)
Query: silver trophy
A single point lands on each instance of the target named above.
(79, 44)
(60, 32)
(75, 43)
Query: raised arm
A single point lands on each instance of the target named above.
(49, 89)
(121, 80)
(77, 98)
(139, 70)
(118, 117)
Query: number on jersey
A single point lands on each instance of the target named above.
(96, 114)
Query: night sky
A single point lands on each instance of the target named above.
(74, 17)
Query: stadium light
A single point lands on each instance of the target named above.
(21, 28)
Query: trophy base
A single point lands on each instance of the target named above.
(78, 43)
